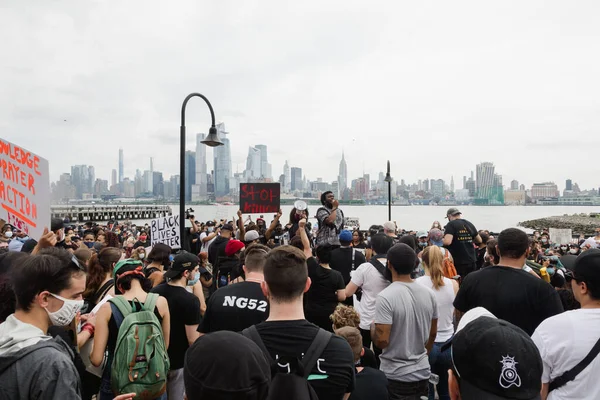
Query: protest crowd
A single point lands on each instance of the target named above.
(276, 309)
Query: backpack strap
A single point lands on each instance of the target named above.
(150, 302)
(122, 306)
(100, 293)
(315, 350)
(573, 372)
(252, 334)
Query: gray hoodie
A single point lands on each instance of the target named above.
(35, 366)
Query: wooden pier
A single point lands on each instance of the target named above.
(94, 212)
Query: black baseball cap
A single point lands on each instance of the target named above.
(452, 211)
(210, 223)
(494, 359)
(56, 224)
(227, 227)
(182, 262)
(586, 268)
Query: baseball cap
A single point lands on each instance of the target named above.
(586, 268)
(422, 234)
(452, 211)
(436, 236)
(227, 227)
(183, 261)
(227, 365)
(494, 359)
(232, 247)
(56, 224)
(210, 223)
(390, 226)
(251, 235)
(345, 236)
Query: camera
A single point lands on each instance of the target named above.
(188, 213)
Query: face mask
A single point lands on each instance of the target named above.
(89, 244)
(210, 230)
(550, 270)
(195, 280)
(422, 244)
(66, 313)
(171, 258)
(142, 238)
(8, 234)
(141, 256)
(573, 251)
(563, 248)
(544, 240)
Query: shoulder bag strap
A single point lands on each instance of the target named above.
(252, 334)
(100, 293)
(379, 267)
(572, 373)
(315, 350)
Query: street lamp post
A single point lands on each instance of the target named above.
(388, 179)
(212, 140)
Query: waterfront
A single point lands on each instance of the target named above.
(415, 217)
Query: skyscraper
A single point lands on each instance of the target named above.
(343, 176)
(222, 158)
(488, 184)
(199, 189)
(253, 165)
(569, 185)
(287, 177)
(514, 185)
(113, 178)
(83, 179)
(296, 179)
(265, 167)
(120, 165)
(437, 188)
(452, 184)
(190, 173)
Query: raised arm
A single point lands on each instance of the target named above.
(304, 237)
(273, 225)
(241, 225)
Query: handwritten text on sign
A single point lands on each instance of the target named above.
(257, 198)
(166, 230)
(24, 188)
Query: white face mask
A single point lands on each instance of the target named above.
(61, 236)
(573, 251)
(8, 234)
(141, 256)
(64, 315)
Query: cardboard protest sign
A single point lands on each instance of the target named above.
(561, 236)
(258, 198)
(24, 189)
(166, 230)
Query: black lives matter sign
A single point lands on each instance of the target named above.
(258, 198)
(165, 230)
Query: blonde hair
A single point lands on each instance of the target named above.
(354, 339)
(344, 315)
(432, 261)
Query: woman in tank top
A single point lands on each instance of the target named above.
(445, 291)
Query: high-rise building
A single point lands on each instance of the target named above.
(464, 182)
(121, 165)
(265, 167)
(113, 178)
(544, 190)
(147, 186)
(296, 179)
(287, 177)
(489, 185)
(200, 189)
(158, 187)
(253, 169)
(569, 185)
(190, 173)
(514, 185)
(452, 184)
(83, 179)
(437, 188)
(342, 176)
(222, 158)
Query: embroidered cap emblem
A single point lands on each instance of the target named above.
(509, 375)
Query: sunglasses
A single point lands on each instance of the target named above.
(77, 264)
(569, 276)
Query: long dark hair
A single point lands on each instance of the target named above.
(100, 264)
(160, 253)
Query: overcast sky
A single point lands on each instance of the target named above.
(435, 87)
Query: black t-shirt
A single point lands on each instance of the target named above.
(184, 309)
(510, 294)
(341, 261)
(322, 297)
(462, 248)
(234, 308)
(139, 243)
(332, 376)
(371, 384)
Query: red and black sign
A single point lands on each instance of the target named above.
(259, 198)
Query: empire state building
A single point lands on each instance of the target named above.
(343, 176)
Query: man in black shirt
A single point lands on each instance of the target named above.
(506, 290)
(346, 259)
(459, 236)
(286, 333)
(184, 309)
(238, 306)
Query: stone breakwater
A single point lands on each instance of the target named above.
(579, 224)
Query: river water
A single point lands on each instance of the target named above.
(414, 217)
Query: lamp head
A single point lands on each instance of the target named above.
(388, 177)
(212, 139)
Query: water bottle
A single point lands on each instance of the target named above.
(434, 379)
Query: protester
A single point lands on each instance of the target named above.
(491, 257)
(131, 283)
(445, 290)
(436, 225)
(405, 327)
(346, 259)
(159, 261)
(506, 290)
(226, 366)
(229, 264)
(459, 237)
(358, 242)
(371, 384)
(99, 279)
(493, 359)
(287, 335)
(299, 212)
(217, 248)
(423, 239)
(142, 241)
(208, 237)
(89, 239)
(566, 339)
(482, 249)
(371, 277)
(344, 315)
(8, 260)
(331, 220)
(184, 311)
(239, 306)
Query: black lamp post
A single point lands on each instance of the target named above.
(388, 179)
(212, 140)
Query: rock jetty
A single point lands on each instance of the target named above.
(579, 223)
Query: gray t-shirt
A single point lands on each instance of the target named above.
(409, 308)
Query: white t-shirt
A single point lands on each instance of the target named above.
(444, 297)
(563, 341)
(206, 245)
(372, 283)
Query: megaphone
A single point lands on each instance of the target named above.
(300, 205)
